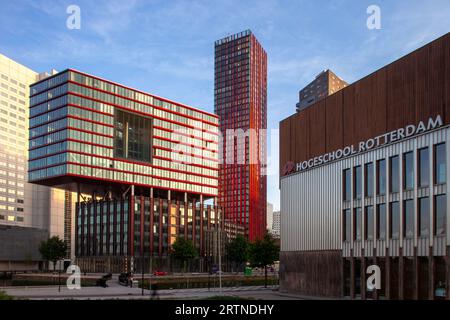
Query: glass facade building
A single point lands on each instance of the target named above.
(83, 128)
(240, 100)
(142, 165)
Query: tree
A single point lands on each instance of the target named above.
(183, 250)
(53, 250)
(263, 253)
(237, 250)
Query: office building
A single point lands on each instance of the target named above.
(25, 209)
(240, 100)
(364, 176)
(326, 83)
(276, 224)
(269, 217)
(145, 168)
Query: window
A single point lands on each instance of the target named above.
(368, 221)
(357, 189)
(440, 214)
(381, 177)
(408, 218)
(368, 168)
(408, 171)
(381, 221)
(424, 217)
(347, 232)
(424, 167)
(394, 230)
(132, 136)
(439, 164)
(394, 180)
(358, 224)
(347, 185)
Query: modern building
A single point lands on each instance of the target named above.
(269, 217)
(364, 176)
(240, 100)
(145, 168)
(276, 224)
(326, 83)
(24, 207)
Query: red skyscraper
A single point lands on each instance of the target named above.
(240, 100)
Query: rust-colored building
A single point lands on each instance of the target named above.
(240, 100)
(364, 182)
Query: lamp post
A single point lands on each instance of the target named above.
(142, 266)
(59, 277)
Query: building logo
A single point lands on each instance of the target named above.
(288, 168)
(381, 140)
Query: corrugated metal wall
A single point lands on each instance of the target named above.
(312, 205)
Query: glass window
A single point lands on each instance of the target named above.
(381, 177)
(369, 223)
(394, 230)
(358, 224)
(408, 174)
(381, 221)
(439, 164)
(424, 167)
(347, 185)
(408, 218)
(132, 136)
(424, 217)
(394, 180)
(368, 179)
(358, 182)
(440, 214)
(347, 232)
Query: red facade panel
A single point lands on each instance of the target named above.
(406, 91)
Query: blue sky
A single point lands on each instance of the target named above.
(166, 47)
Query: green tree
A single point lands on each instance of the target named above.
(183, 250)
(53, 250)
(237, 251)
(263, 253)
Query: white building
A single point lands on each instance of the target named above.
(23, 204)
(269, 218)
(276, 224)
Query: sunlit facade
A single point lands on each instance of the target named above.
(120, 148)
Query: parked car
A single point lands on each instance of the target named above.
(160, 273)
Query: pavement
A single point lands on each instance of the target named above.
(117, 291)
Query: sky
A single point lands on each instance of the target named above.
(166, 47)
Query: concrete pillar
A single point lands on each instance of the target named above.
(363, 275)
(447, 272)
(185, 197)
(352, 275)
(430, 274)
(401, 277)
(416, 275)
(168, 195)
(375, 262)
(387, 284)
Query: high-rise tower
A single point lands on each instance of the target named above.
(240, 100)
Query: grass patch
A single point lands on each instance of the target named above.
(4, 296)
(189, 283)
(47, 282)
